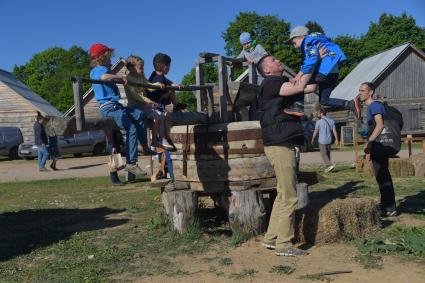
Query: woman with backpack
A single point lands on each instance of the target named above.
(375, 149)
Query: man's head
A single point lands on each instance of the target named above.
(322, 112)
(269, 66)
(245, 40)
(161, 63)
(135, 65)
(100, 54)
(297, 36)
(366, 91)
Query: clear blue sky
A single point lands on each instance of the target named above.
(181, 29)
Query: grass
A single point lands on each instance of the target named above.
(84, 230)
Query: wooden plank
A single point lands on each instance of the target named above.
(199, 81)
(222, 86)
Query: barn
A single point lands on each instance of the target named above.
(19, 105)
(398, 74)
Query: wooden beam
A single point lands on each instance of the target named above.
(199, 81)
(222, 88)
(77, 88)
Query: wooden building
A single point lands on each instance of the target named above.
(398, 74)
(19, 105)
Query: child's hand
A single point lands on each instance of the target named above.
(161, 85)
(179, 86)
(323, 51)
(124, 79)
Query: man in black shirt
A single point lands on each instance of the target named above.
(280, 133)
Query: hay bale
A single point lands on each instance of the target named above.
(401, 167)
(342, 219)
(418, 162)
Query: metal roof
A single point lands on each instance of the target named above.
(41, 105)
(369, 70)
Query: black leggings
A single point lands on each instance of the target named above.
(383, 177)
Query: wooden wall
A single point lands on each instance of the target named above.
(15, 111)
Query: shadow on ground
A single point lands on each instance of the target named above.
(26, 230)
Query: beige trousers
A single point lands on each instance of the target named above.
(281, 225)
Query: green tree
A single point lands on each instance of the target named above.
(48, 72)
(352, 47)
(390, 31)
(269, 31)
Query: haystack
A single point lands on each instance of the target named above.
(342, 219)
(398, 167)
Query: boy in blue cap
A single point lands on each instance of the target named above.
(251, 51)
(317, 70)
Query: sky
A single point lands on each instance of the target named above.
(179, 28)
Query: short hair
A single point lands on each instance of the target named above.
(132, 60)
(322, 111)
(160, 60)
(260, 65)
(370, 85)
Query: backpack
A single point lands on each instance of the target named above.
(388, 143)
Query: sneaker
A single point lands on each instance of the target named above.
(354, 106)
(290, 252)
(296, 109)
(165, 145)
(270, 244)
(179, 107)
(118, 184)
(135, 169)
(329, 169)
(390, 213)
(44, 169)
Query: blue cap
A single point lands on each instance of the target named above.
(244, 38)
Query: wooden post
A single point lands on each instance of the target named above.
(247, 212)
(302, 193)
(423, 146)
(409, 144)
(199, 81)
(252, 73)
(222, 88)
(180, 206)
(210, 102)
(77, 88)
(230, 73)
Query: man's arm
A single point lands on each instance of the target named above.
(335, 135)
(316, 131)
(379, 126)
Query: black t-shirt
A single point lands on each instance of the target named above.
(156, 94)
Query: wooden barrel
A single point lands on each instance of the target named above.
(220, 157)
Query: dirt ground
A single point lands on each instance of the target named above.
(95, 166)
(323, 258)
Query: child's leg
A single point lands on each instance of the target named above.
(326, 86)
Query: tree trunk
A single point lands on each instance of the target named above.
(180, 206)
(247, 212)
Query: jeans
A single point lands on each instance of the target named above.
(132, 120)
(43, 155)
(326, 86)
(385, 183)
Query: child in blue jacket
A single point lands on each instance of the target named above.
(318, 71)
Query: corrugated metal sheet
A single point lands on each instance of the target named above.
(367, 71)
(34, 99)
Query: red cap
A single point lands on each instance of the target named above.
(98, 49)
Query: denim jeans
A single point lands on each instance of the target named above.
(125, 118)
(139, 120)
(43, 155)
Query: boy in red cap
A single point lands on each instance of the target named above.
(108, 96)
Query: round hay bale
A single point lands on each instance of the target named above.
(342, 219)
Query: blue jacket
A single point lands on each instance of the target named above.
(311, 57)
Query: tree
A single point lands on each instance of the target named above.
(390, 31)
(48, 72)
(352, 47)
(314, 27)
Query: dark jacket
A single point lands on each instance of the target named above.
(40, 136)
(277, 127)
